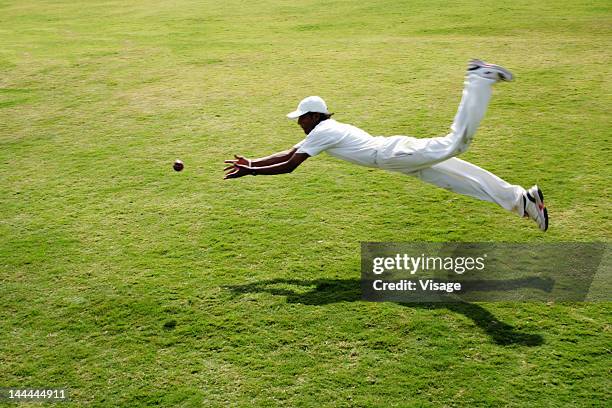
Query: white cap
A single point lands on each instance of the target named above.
(310, 104)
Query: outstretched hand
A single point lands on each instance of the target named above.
(237, 168)
(239, 160)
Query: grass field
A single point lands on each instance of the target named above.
(133, 285)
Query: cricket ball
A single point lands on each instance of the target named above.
(178, 165)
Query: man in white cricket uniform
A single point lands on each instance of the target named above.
(432, 160)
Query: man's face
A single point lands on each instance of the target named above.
(308, 121)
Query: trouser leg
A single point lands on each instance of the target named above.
(468, 179)
(472, 108)
(412, 154)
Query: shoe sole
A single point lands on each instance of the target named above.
(503, 73)
(541, 207)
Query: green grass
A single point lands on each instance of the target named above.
(133, 285)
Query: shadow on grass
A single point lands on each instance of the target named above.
(326, 291)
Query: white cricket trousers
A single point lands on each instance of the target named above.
(433, 160)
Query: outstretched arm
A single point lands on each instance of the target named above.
(239, 169)
(275, 158)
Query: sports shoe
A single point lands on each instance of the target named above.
(491, 71)
(534, 208)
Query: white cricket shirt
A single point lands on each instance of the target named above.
(343, 141)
